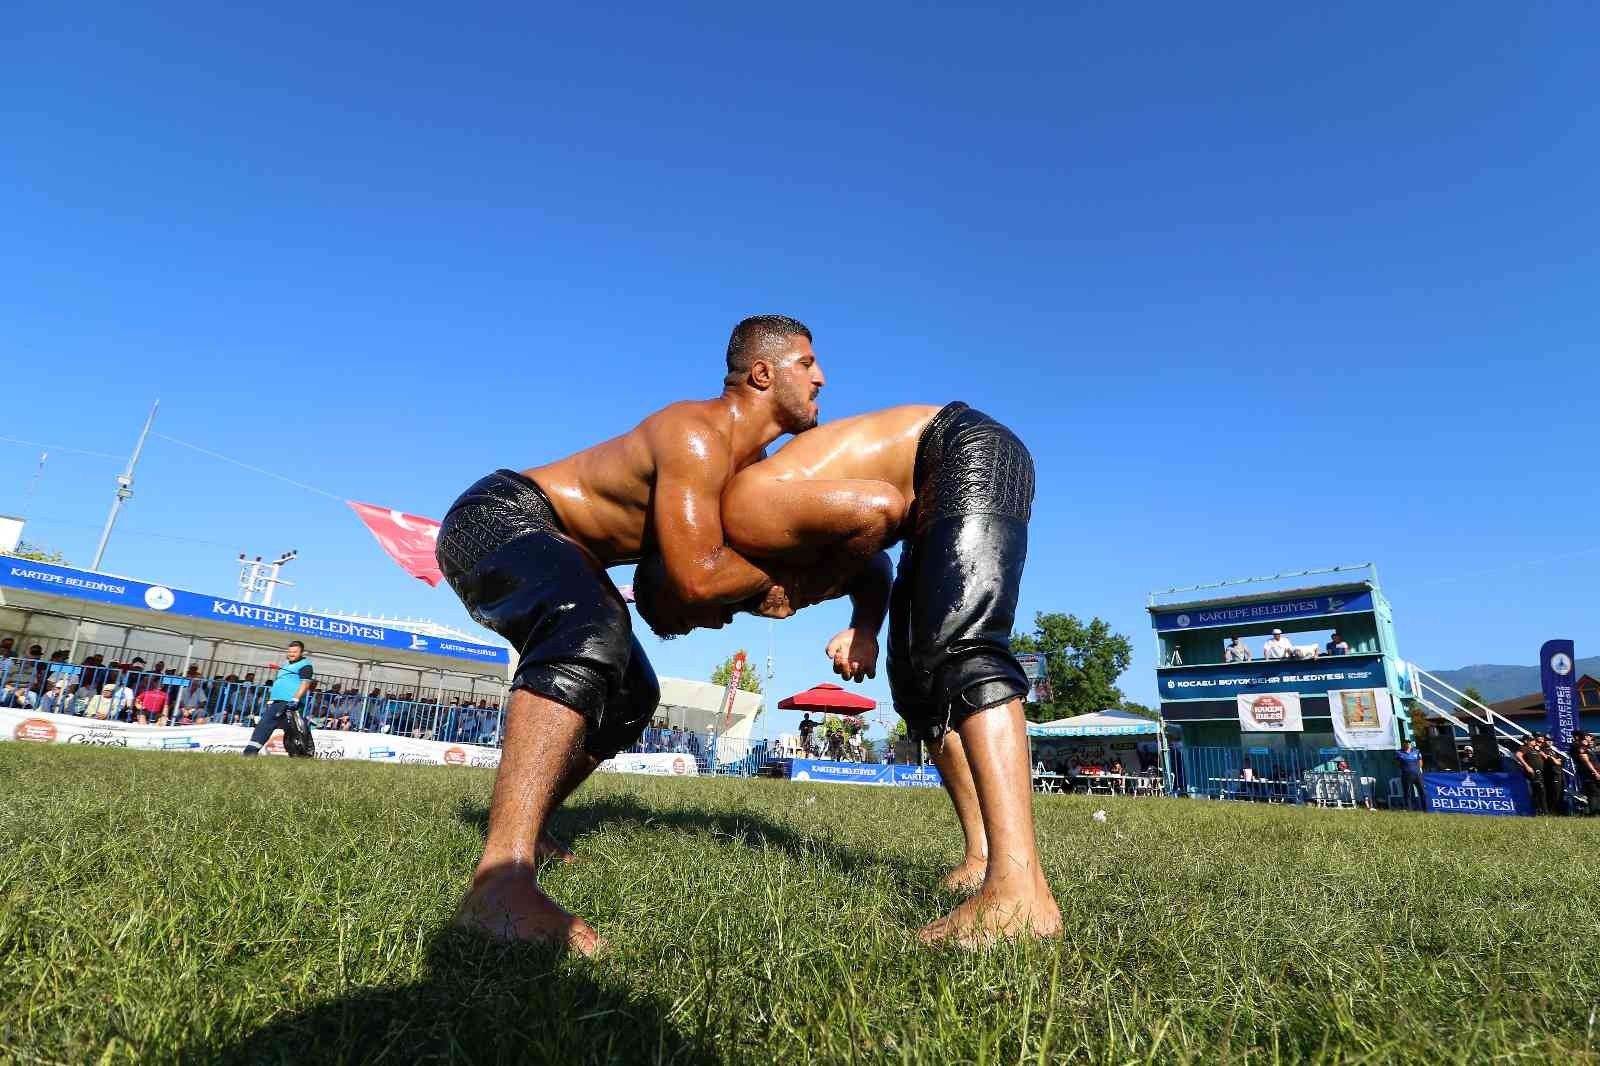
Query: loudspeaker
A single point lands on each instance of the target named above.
(1486, 749)
(1440, 753)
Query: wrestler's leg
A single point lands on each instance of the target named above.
(955, 774)
(543, 739)
(798, 521)
(1014, 900)
(621, 725)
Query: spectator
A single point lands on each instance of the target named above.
(1530, 760)
(1587, 763)
(289, 690)
(1236, 652)
(1278, 647)
(103, 706)
(857, 749)
(28, 695)
(807, 726)
(1555, 777)
(1337, 646)
(122, 699)
(151, 706)
(1467, 758)
(7, 654)
(58, 699)
(192, 699)
(1410, 760)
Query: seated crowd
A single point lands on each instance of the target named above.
(141, 693)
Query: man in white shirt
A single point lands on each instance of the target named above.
(1278, 647)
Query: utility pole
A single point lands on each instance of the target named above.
(256, 576)
(124, 492)
(124, 488)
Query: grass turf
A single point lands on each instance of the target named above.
(156, 907)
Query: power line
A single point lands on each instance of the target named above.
(247, 466)
(61, 448)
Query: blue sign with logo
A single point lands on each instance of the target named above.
(122, 592)
(863, 773)
(1242, 614)
(1477, 793)
(1558, 677)
(1305, 676)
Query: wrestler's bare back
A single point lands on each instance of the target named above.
(603, 494)
(777, 505)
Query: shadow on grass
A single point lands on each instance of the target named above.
(480, 1002)
(577, 820)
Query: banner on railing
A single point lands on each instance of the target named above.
(25, 725)
(858, 773)
(1363, 718)
(1270, 713)
(1477, 793)
(657, 764)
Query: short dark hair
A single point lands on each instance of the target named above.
(296, 644)
(752, 336)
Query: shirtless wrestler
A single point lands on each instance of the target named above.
(527, 554)
(964, 485)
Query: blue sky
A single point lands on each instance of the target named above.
(1263, 288)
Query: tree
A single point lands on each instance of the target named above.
(37, 553)
(1466, 706)
(749, 681)
(1141, 710)
(1083, 661)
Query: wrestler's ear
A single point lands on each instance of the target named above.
(760, 376)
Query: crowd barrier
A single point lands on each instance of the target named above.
(49, 728)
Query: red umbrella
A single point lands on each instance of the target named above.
(826, 698)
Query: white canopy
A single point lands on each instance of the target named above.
(1110, 723)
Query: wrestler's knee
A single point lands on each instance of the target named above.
(628, 713)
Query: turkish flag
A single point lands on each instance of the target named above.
(409, 540)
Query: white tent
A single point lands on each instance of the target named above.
(1098, 724)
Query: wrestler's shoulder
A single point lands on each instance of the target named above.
(685, 413)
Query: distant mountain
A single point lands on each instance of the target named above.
(1505, 682)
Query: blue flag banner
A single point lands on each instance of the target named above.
(1477, 793)
(1559, 680)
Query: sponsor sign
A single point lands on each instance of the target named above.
(1270, 712)
(1036, 668)
(1477, 793)
(1363, 719)
(657, 764)
(857, 773)
(1202, 617)
(122, 592)
(18, 724)
(40, 730)
(1559, 679)
(1306, 677)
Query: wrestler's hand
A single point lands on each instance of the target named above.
(854, 653)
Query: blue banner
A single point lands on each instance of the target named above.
(122, 592)
(1242, 614)
(1559, 680)
(1477, 793)
(1305, 676)
(863, 773)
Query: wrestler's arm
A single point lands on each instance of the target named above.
(692, 466)
(854, 651)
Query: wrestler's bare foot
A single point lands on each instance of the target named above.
(968, 875)
(508, 904)
(991, 916)
(549, 849)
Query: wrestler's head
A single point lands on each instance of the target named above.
(772, 355)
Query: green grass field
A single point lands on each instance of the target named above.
(159, 907)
